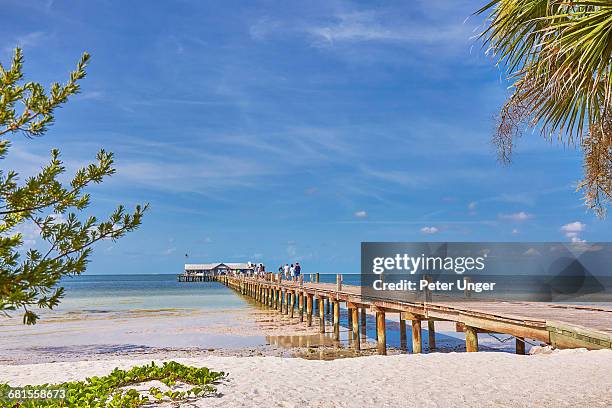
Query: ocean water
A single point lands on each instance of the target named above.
(103, 293)
(118, 313)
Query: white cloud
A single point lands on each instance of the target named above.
(575, 226)
(31, 39)
(360, 214)
(429, 230)
(519, 216)
(472, 205)
(572, 231)
(91, 95)
(375, 27)
(29, 233)
(515, 231)
(395, 176)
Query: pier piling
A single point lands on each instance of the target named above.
(417, 344)
(364, 322)
(431, 334)
(336, 320)
(309, 309)
(471, 339)
(520, 345)
(355, 314)
(402, 328)
(381, 335)
(321, 315)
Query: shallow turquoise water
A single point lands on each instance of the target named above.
(124, 292)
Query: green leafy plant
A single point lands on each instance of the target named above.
(558, 56)
(111, 391)
(28, 275)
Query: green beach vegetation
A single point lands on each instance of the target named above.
(558, 57)
(29, 276)
(114, 390)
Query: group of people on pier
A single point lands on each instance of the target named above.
(291, 271)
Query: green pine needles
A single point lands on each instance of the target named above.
(29, 274)
(113, 390)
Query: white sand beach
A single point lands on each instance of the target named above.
(560, 378)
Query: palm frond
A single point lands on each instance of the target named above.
(558, 56)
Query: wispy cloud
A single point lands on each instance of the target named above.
(31, 39)
(360, 214)
(401, 177)
(374, 26)
(518, 216)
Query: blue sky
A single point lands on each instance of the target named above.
(283, 131)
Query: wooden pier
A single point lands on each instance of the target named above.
(562, 326)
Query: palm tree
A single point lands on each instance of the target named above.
(558, 56)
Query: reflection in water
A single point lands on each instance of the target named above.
(317, 346)
(310, 340)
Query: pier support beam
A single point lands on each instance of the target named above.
(321, 315)
(300, 300)
(364, 321)
(381, 332)
(291, 303)
(286, 300)
(431, 334)
(336, 320)
(402, 328)
(309, 309)
(417, 343)
(471, 339)
(520, 345)
(355, 313)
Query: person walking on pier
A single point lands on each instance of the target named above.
(286, 271)
(298, 270)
